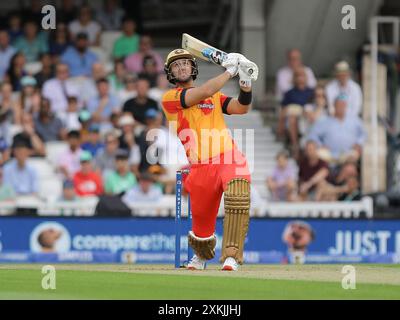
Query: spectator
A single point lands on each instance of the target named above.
(14, 27)
(282, 182)
(16, 71)
(128, 42)
(85, 120)
(59, 89)
(20, 175)
(129, 90)
(284, 76)
(70, 118)
(110, 16)
(149, 70)
(79, 58)
(6, 53)
(31, 44)
(134, 62)
(157, 92)
(319, 107)
(339, 136)
(33, 12)
(59, 40)
(86, 181)
(9, 104)
(5, 136)
(29, 136)
(105, 158)
(85, 24)
(47, 125)
(117, 78)
(293, 104)
(141, 103)
(145, 191)
(344, 85)
(341, 184)
(69, 161)
(47, 71)
(104, 103)
(67, 12)
(6, 191)
(30, 97)
(167, 148)
(312, 171)
(121, 179)
(93, 143)
(68, 191)
(127, 137)
(88, 86)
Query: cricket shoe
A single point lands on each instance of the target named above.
(230, 264)
(196, 263)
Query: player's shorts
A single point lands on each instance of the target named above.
(206, 184)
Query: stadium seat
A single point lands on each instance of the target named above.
(50, 189)
(44, 169)
(33, 67)
(53, 151)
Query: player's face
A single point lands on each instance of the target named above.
(182, 70)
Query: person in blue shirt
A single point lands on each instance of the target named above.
(20, 175)
(342, 136)
(103, 104)
(293, 104)
(6, 53)
(32, 44)
(94, 143)
(79, 58)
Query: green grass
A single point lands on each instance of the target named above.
(26, 284)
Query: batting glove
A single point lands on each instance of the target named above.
(248, 71)
(231, 63)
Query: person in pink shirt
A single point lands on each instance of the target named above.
(134, 62)
(69, 160)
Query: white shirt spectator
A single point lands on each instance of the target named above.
(92, 29)
(136, 194)
(134, 156)
(353, 92)
(70, 161)
(57, 93)
(284, 79)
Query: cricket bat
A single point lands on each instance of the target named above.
(208, 53)
(202, 50)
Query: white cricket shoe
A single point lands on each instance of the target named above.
(230, 264)
(196, 263)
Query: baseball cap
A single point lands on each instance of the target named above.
(122, 154)
(126, 120)
(85, 156)
(68, 184)
(28, 81)
(151, 114)
(94, 127)
(84, 115)
(342, 66)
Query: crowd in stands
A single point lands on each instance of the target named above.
(102, 115)
(323, 132)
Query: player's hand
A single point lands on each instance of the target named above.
(248, 71)
(231, 63)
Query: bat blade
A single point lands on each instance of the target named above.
(202, 50)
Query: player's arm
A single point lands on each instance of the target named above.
(242, 104)
(193, 96)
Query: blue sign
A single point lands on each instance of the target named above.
(152, 240)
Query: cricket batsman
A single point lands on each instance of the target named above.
(216, 167)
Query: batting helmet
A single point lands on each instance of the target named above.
(179, 54)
